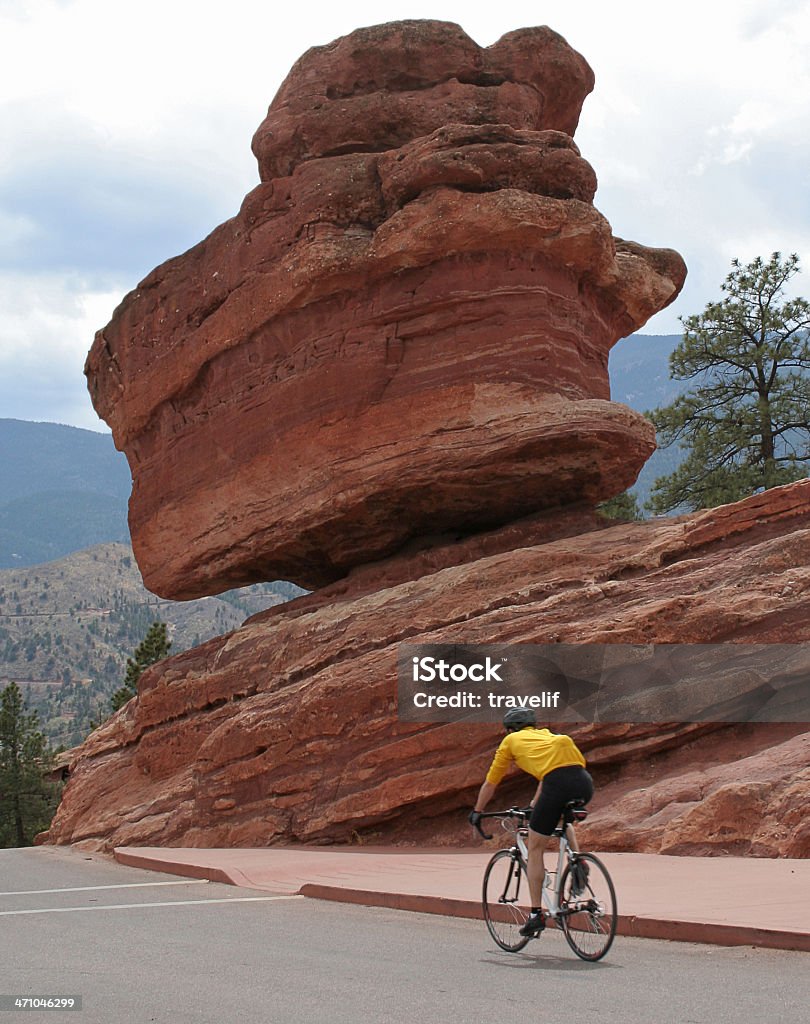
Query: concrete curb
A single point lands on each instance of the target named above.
(712, 934)
(394, 900)
(229, 876)
(629, 925)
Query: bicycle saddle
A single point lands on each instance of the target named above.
(574, 810)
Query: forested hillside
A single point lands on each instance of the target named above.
(67, 627)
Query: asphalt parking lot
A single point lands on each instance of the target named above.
(142, 947)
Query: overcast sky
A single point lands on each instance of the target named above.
(126, 133)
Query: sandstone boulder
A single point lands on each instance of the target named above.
(380, 87)
(405, 329)
(386, 377)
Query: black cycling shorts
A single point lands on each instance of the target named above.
(559, 786)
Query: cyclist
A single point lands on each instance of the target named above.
(558, 765)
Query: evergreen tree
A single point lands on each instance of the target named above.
(745, 424)
(154, 647)
(624, 508)
(27, 801)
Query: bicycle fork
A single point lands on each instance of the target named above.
(514, 875)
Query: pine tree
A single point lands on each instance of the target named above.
(154, 647)
(745, 424)
(27, 801)
(624, 508)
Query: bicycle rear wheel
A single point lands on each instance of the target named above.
(588, 918)
(506, 893)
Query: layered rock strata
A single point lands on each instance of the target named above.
(404, 330)
(286, 729)
(387, 377)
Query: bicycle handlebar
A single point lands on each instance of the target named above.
(512, 812)
(481, 832)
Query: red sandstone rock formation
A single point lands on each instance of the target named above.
(404, 330)
(402, 334)
(286, 730)
(743, 792)
(380, 87)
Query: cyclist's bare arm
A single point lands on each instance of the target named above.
(485, 794)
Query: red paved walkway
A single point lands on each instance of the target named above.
(724, 900)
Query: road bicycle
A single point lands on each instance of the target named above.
(578, 897)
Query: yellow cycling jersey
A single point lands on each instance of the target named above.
(536, 751)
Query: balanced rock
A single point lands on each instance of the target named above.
(404, 331)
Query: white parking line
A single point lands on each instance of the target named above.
(92, 888)
(137, 906)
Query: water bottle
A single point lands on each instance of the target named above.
(548, 890)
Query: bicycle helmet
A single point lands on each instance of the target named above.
(518, 718)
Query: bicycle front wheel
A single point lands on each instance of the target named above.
(506, 893)
(588, 911)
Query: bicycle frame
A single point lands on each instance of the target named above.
(551, 893)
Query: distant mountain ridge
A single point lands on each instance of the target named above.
(68, 626)
(62, 489)
(639, 377)
(639, 371)
(38, 457)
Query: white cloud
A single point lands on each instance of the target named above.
(47, 326)
(15, 230)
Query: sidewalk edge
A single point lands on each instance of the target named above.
(229, 876)
(629, 925)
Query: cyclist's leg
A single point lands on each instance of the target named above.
(546, 814)
(558, 787)
(580, 787)
(572, 783)
(535, 868)
(584, 788)
(571, 836)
